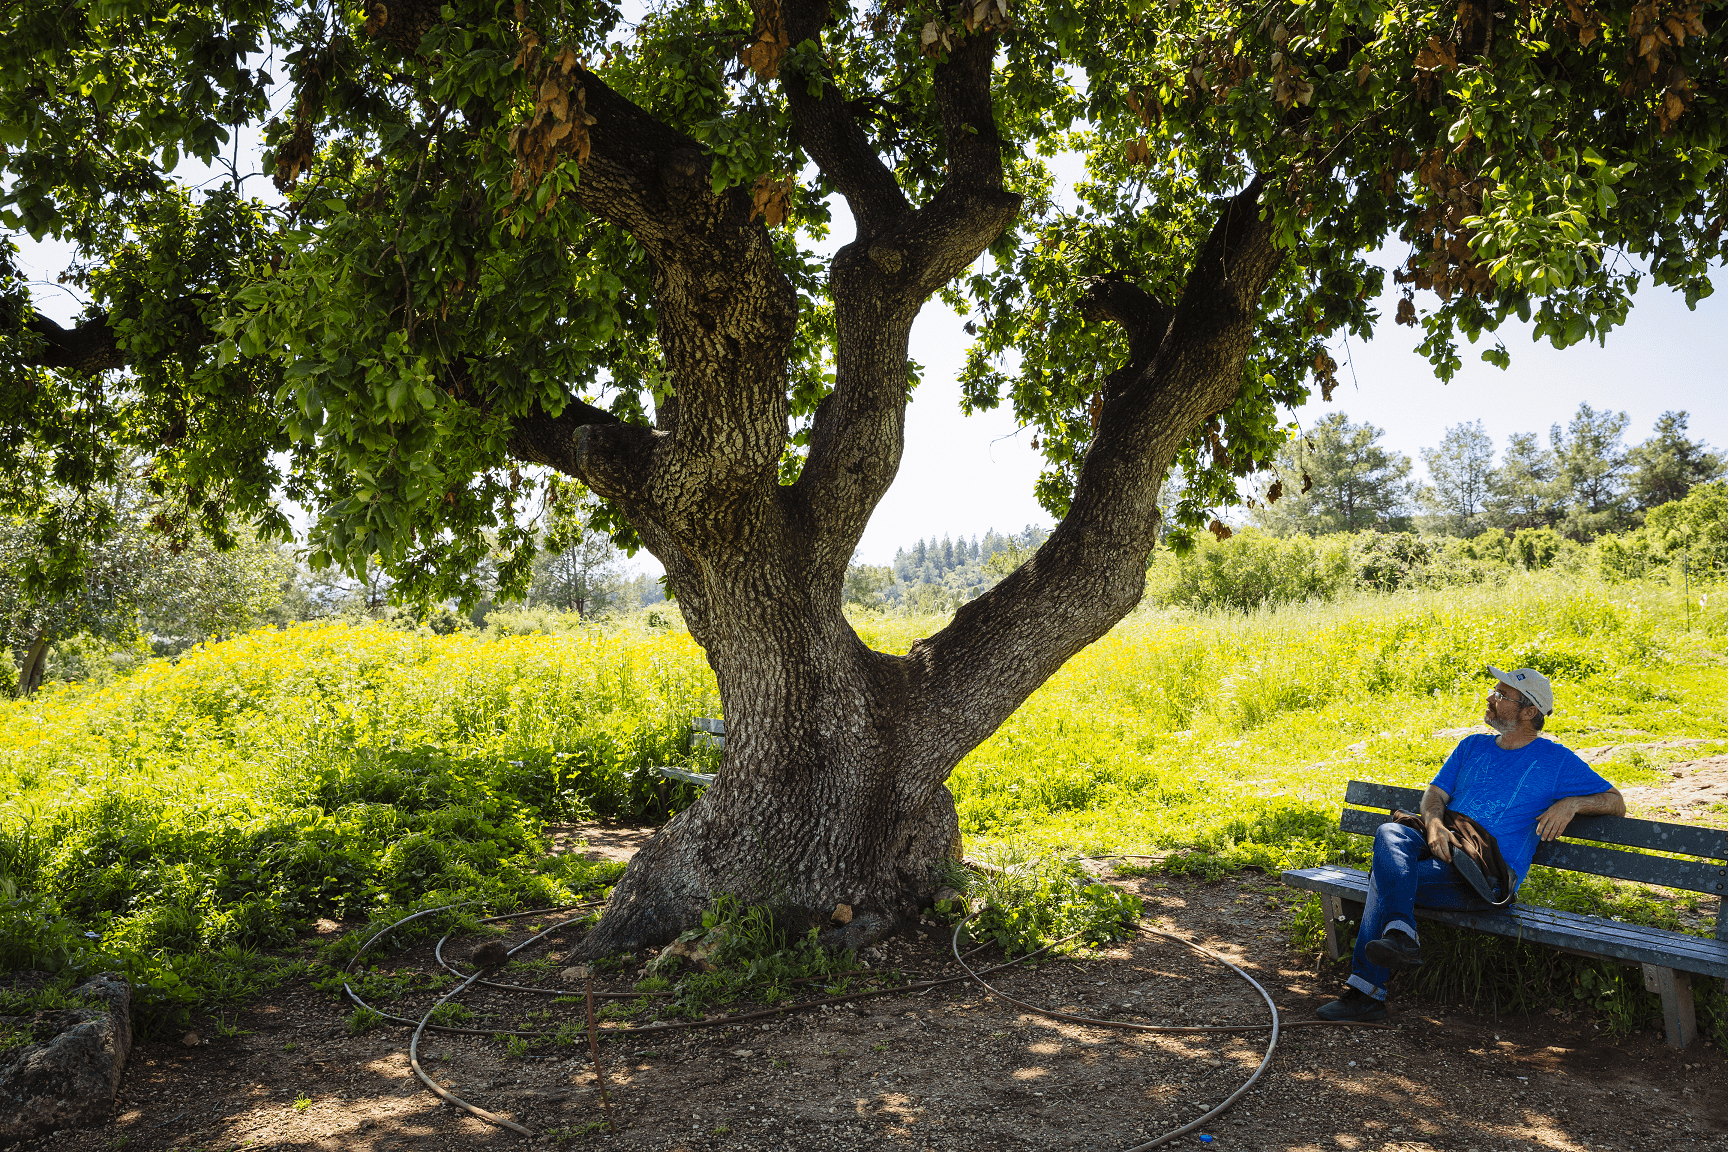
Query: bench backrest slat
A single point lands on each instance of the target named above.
(1690, 875)
(1687, 839)
(709, 724)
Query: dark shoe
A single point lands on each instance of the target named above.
(1395, 950)
(1353, 1005)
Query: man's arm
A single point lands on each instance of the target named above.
(1440, 838)
(1553, 822)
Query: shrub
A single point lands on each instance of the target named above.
(1695, 527)
(1535, 548)
(1026, 900)
(34, 932)
(1389, 561)
(1698, 523)
(1249, 570)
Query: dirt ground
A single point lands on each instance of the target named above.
(948, 1069)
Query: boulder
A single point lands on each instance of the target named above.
(68, 1077)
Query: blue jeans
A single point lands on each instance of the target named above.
(1404, 875)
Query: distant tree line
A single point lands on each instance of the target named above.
(147, 590)
(1583, 482)
(1343, 513)
(147, 587)
(935, 576)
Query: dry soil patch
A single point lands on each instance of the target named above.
(950, 1069)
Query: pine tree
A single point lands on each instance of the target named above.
(1522, 492)
(1592, 470)
(1668, 465)
(1461, 470)
(1352, 482)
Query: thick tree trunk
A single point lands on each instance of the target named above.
(828, 794)
(833, 787)
(35, 663)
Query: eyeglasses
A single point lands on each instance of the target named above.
(1510, 696)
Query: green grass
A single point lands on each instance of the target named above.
(180, 819)
(185, 823)
(1232, 736)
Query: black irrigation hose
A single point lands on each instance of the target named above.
(361, 951)
(438, 954)
(414, 1042)
(1091, 1021)
(425, 1023)
(713, 1022)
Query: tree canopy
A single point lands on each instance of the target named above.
(486, 207)
(1670, 464)
(1461, 478)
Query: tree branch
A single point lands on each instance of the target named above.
(89, 346)
(1092, 570)
(726, 316)
(1144, 319)
(880, 281)
(962, 87)
(830, 134)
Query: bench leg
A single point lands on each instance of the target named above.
(1332, 911)
(1677, 1014)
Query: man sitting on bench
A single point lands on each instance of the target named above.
(1518, 786)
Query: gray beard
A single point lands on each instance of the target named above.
(1492, 719)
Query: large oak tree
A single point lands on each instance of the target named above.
(541, 235)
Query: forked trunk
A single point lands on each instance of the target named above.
(833, 788)
(829, 795)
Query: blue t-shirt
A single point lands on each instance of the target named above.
(1506, 791)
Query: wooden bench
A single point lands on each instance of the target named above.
(1669, 959)
(705, 732)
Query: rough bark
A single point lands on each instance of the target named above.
(833, 786)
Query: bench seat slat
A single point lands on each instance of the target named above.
(1571, 930)
(1687, 839)
(1367, 794)
(1690, 875)
(1692, 953)
(1351, 884)
(703, 778)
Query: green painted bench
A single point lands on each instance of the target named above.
(706, 732)
(1670, 960)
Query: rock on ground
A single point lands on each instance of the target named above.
(68, 1079)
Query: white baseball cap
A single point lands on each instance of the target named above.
(1531, 683)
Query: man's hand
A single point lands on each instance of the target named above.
(1440, 840)
(1553, 822)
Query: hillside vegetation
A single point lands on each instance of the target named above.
(182, 817)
